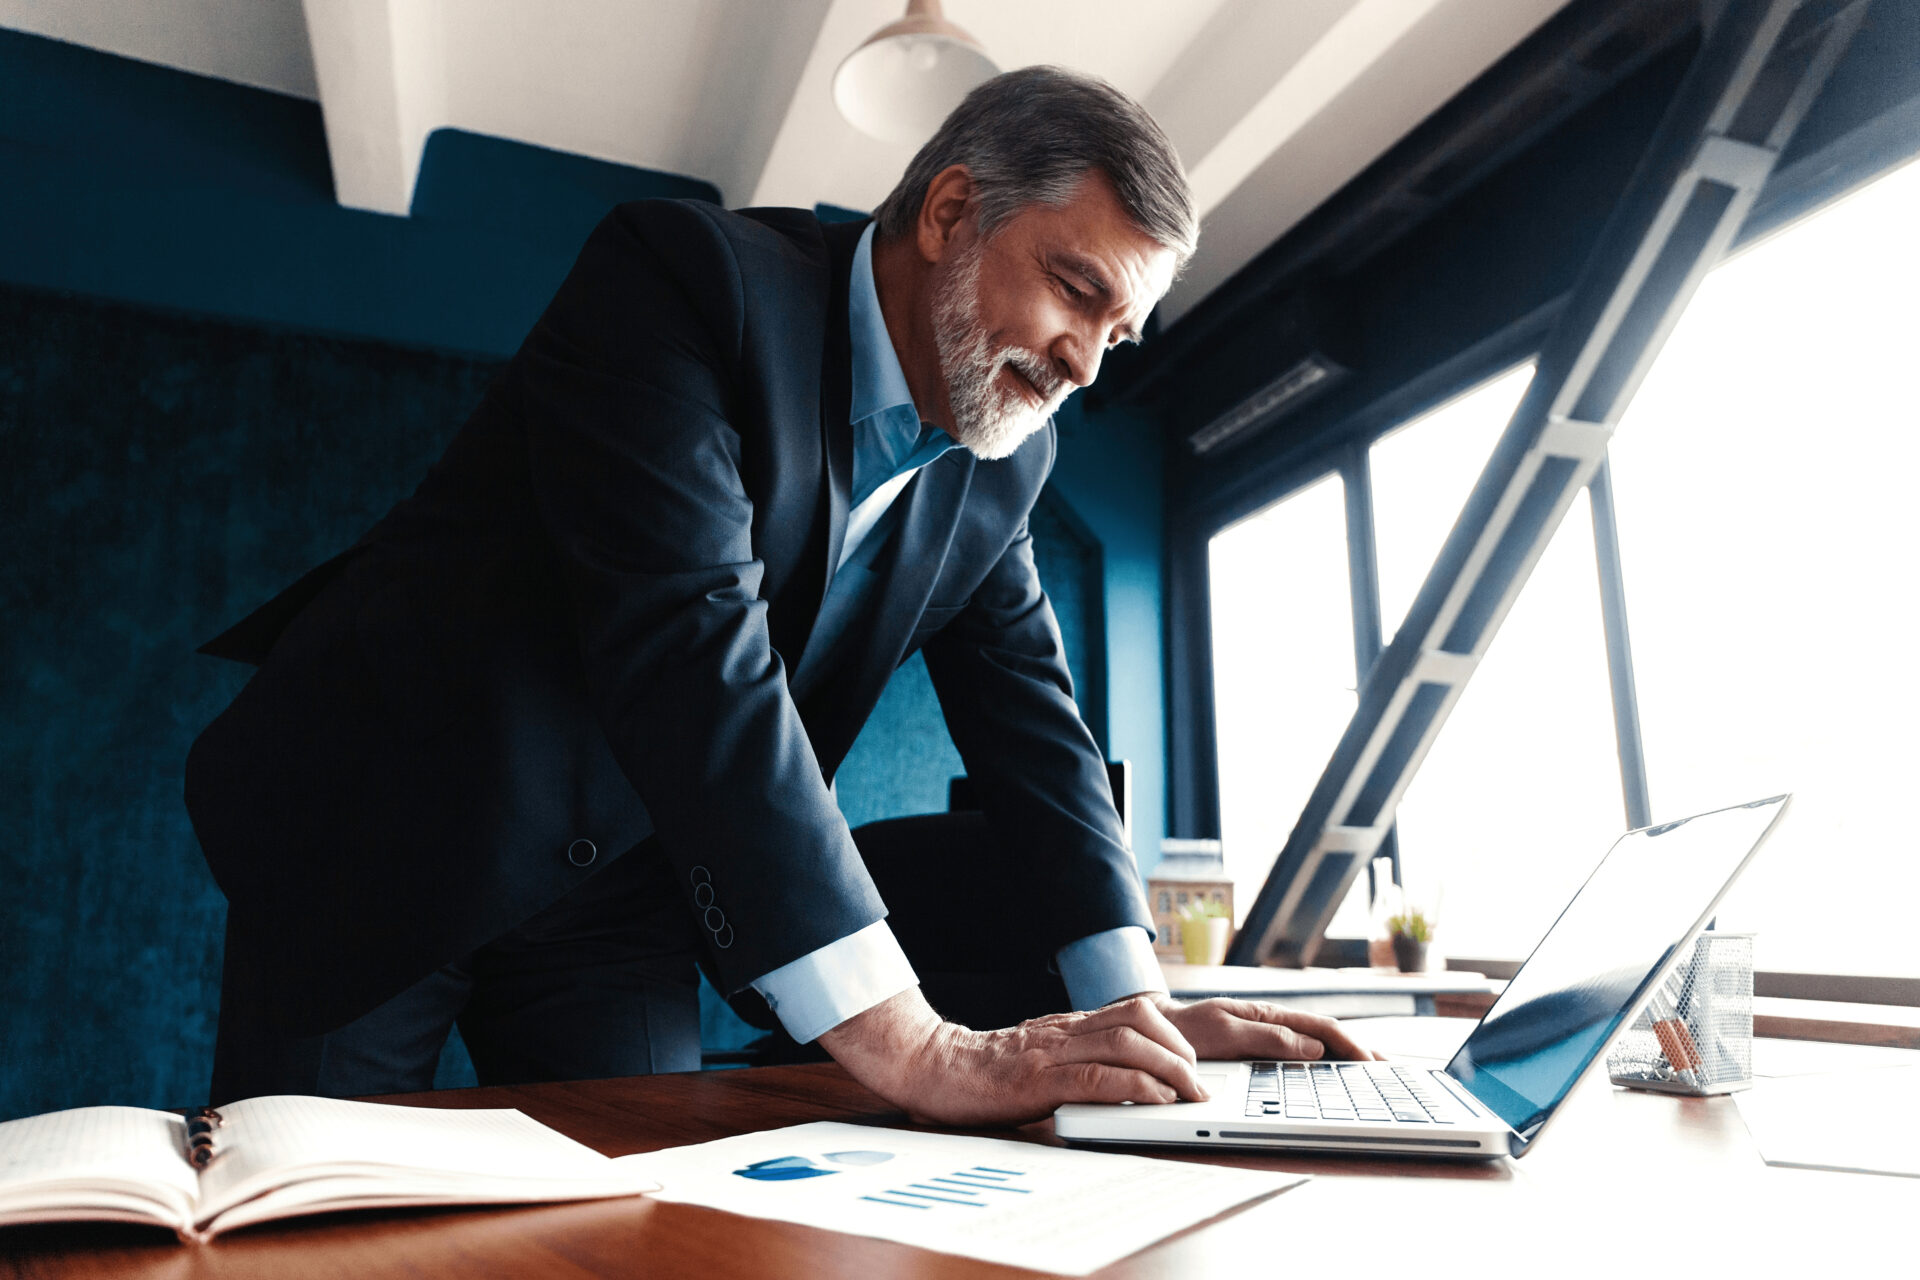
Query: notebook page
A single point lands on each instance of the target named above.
(271, 1142)
(114, 1150)
(358, 1191)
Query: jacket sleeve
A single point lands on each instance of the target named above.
(626, 388)
(1000, 671)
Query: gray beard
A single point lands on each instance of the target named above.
(988, 421)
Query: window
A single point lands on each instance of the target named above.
(1283, 670)
(1422, 473)
(1763, 489)
(1764, 480)
(1521, 792)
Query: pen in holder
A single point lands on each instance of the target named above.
(1696, 1034)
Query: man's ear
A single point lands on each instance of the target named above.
(946, 211)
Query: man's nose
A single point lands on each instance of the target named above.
(1077, 357)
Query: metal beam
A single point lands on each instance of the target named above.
(381, 70)
(1752, 81)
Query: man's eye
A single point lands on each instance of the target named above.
(1072, 292)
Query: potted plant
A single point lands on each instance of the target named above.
(1205, 928)
(1411, 930)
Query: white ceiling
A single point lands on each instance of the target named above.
(1274, 104)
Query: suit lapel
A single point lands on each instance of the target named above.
(800, 486)
(925, 513)
(928, 512)
(925, 516)
(836, 399)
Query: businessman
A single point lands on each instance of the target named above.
(560, 730)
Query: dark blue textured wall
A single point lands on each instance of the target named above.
(159, 476)
(211, 377)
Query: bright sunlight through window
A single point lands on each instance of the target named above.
(1520, 794)
(1763, 483)
(1282, 669)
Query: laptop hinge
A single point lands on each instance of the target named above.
(1465, 1095)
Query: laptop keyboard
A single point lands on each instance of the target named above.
(1359, 1091)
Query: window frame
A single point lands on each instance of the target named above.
(1869, 129)
(1193, 774)
(1345, 450)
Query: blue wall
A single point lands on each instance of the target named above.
(1111, 474)
(143, 184)
(211, 376)
(159, 476)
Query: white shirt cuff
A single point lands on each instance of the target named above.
(1112, 965)
(823, 988)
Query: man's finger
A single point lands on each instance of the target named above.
(1126, 1047)
(1143, 1016)
(1102, 1082)
(1252, 1038)
(1330, 1035)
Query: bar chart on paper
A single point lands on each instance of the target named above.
(994, 1199)
(973, 1188)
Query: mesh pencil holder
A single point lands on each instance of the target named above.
(1696, 1035)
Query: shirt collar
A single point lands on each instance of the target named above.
(879, 384)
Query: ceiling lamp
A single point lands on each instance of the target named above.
(909, 75)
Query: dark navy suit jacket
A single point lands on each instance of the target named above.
(589, 613)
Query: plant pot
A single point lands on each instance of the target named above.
(1205, 941)
(1409, 953)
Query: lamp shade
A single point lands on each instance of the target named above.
(906, 78)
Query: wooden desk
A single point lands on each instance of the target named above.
(1623, 1183)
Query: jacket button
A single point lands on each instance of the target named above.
(581, 853)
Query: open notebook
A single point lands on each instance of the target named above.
(278, 1157)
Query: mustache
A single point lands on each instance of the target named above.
(1035, 370)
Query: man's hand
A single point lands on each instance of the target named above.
(943, 1073)
(1229, 1029)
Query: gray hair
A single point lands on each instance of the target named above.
(1030, 136)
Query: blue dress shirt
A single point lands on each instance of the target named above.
(824, 988)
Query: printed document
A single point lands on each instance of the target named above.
(1015, 1203)
(1850, 1121)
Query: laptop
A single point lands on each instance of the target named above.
(1613, 946)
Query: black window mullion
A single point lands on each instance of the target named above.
(1363, 563)
(1363, 578)
(1613, 617)
(1194, 778)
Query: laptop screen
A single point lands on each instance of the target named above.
(1568, 1001)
